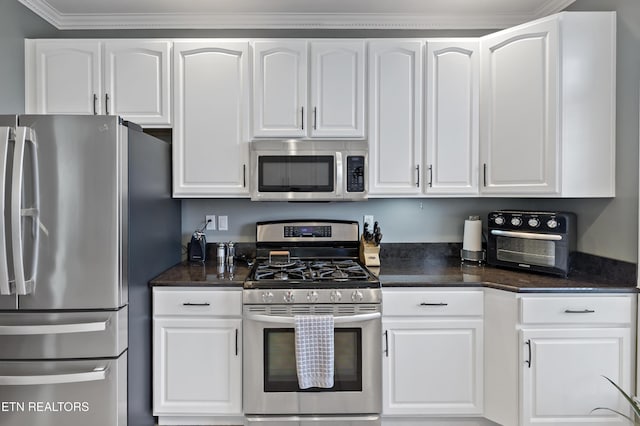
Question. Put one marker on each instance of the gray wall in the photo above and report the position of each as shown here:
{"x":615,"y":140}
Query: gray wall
{"x":607,"y":227}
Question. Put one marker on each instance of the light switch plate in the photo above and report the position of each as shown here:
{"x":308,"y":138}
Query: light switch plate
{"x":223,"y":223}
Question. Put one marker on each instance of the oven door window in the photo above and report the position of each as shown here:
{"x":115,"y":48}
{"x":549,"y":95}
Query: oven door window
{"x":280,"y":361}
{"x":531,"y":252}
{"x":296,"y":173}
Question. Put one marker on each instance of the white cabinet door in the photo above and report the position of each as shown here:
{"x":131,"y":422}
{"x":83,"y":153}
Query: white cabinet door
{"x":337,"y":89}
{"x":395,"y":117}
{"x":562,"y":373}
{"x":279,"y":88}
{"x":197,"y":366}
{"x":432,"y":367}
{"x":518,"y":115}
{"x":137,"y":76}
{"x":210,"y":148}
{"x":67,"y":78}
{"x":452,"y":99}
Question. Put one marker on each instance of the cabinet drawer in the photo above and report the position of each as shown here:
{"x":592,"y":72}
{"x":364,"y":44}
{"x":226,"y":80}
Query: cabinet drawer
{"x":432,"y":303}
{"x":197,"y":302}
{"x":576,"y":309}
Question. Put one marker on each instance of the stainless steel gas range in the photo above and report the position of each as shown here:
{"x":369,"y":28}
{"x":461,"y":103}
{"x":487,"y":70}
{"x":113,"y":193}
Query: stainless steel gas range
{"x":311,"y":268}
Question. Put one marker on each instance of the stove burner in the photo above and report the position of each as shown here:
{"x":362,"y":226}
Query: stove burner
{"x":338,"y":270}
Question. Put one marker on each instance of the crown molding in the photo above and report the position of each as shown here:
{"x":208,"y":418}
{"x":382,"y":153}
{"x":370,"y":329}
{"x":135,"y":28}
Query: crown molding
{"x":409,"y":21}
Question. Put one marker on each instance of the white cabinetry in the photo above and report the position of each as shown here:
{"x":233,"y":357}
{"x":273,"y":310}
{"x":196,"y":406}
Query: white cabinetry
{"x":563,"y":345}
{"x":452,"y":99}
{"x":433,"y":353}
{"x":120,"y":77}
{"x":210,"y":143}
{"x":197,"y":355}
{"x":548,"y":107}
{"x":395,"y":117}
{"x":330,"y":106}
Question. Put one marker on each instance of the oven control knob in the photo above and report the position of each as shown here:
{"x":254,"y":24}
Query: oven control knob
{"x":312,"y":296}
{"x":534,"y":222}
{"x":516,"y":221}
{"x":289,"y":297}
{"x":552,"y":223}
{"x":499,"y":220}
{"x":335,"y":296}
{"x":267,"y":297}
{"x":357,"y":296}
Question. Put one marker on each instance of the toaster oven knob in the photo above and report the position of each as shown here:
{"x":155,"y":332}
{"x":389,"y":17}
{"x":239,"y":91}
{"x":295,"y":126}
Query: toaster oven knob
{"x":534,"y":222}
{"x":516,"y":221}
{"x":289,"y":297}
{"x":335,"y":296}
{"x":552,"y":223}
{"x":267,"y":297}
{"x":499,"y":220}
{"x":312,"y":296}
{"x":357,"y":296}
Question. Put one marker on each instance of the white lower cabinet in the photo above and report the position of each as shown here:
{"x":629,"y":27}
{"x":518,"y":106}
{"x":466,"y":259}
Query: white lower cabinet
{"x":547,"y":355}
{"x":433,"y":352}
{"x":197,"y":356}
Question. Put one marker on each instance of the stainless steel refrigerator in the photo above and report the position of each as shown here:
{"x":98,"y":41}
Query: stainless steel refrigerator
{"x":88,"y":220}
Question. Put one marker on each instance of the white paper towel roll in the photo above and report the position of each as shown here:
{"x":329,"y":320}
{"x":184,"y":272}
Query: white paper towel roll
{"x":472,"y":238}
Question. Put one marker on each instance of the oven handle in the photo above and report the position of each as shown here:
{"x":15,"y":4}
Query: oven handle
{"x":526,"y":235}
{"x":291,"y":320}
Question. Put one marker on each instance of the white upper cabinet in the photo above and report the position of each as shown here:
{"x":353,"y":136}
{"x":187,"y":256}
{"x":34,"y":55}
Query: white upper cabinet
{"x":395,"y":117}
{"x":136,"y":79}
{"x":66,"y":77}
{"x":119,"y":77}
{"x":210,"y":144}
{"x":292,"y":100}
{"x":337,"y":89}
{"x":548,"y":107}
{"x":452,"y":99}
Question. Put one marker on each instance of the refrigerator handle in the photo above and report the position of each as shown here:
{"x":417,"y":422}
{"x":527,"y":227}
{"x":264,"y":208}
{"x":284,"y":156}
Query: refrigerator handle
{"x":24,"y":330}
{"x":99,"y":373}
{"x":5,"y":136}
{"x":23,"y":285}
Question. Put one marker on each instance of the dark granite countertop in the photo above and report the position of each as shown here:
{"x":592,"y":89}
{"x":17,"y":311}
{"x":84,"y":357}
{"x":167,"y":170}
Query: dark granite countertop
{"x":197,"y":275}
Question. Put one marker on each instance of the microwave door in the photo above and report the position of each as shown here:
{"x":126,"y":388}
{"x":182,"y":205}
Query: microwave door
{"x":8,"y":298}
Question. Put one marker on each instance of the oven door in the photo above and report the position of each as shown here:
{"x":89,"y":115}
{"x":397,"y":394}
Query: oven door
{"x":528,"y":250}
{"x":270,"y":378}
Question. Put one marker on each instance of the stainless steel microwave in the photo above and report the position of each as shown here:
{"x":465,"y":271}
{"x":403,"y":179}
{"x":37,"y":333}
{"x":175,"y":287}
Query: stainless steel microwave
{"x":300,"y":170}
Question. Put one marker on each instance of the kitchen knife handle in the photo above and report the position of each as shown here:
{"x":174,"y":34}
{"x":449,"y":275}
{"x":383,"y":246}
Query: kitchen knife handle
{"x":386,"y":343}
{"x":418,"y":176}
{"x":106,"y":103}
{"x":95,"y":100}
{"x":528,"y":361}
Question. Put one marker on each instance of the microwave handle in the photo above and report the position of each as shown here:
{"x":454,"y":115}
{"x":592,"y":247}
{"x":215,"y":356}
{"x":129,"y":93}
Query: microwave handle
{"x":526,"y":235}
{"x":291,"y":320}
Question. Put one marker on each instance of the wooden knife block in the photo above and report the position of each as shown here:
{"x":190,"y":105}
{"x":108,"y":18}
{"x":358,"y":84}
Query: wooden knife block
{"x":369,"y":253}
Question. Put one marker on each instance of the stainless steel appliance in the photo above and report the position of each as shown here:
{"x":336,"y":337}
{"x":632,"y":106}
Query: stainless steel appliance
{"x":311,"y":268}
{"x":309,"y":170}
{"x":532,"y":241}
{"x":88,"y":221}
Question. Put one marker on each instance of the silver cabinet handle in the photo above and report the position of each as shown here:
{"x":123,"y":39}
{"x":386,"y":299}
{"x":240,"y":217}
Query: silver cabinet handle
{"x":244,"y":175}
{"x":90,"y":376}
{"x":106,"y":103}
{"x":430,"y":175}
{"x":418,"y":176}
{"x":386,"y":343}
{"x":196,"y":304}
{"x":24,"y":330}
{"x":236,"y":342}
{"x":583,"y":311}
{"x":315,"y":118}
{"x":23,"y":135}
{"x":302,"y":117}
{"x":484,"y":174}
{"x":95,"y":100}
{"x":528,"y":361}
{"x":5,"y":135}
{"x":433,"y":304}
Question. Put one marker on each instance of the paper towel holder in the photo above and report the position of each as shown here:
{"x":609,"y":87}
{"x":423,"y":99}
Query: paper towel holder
{"x":477,"y":256}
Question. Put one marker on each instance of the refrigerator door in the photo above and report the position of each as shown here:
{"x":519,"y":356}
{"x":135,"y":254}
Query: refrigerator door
{"x":69,"y":212}
{"x":64,"y":393}
{"x":56,"y":335}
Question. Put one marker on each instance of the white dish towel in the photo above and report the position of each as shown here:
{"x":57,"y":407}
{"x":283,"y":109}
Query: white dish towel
{"x":314,"y":350}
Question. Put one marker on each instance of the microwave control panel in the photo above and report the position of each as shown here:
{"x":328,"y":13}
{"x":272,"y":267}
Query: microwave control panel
{"x":530,"y":221}
{"x":355,"y":173}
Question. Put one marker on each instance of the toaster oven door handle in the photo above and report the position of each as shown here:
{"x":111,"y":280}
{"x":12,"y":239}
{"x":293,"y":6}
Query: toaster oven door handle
{"x":336,"y":320}
{"x":526,"y":235}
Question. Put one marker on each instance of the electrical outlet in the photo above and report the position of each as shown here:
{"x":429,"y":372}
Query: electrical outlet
{"x":368,"y":219}
{"x":210,"y":220}
{"x":223,"y":223}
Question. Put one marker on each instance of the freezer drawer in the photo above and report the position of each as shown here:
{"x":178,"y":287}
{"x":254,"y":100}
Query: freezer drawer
{"x":46,"y":335}
{"x":64,"y":393}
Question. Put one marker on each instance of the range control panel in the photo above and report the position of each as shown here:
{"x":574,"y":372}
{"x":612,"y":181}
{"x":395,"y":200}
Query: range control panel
{"x":355,"y":173}
{"x":307,"y":231}
{"x":554,"y":222}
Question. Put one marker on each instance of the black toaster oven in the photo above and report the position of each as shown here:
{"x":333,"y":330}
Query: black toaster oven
{"x":531,"y":241}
